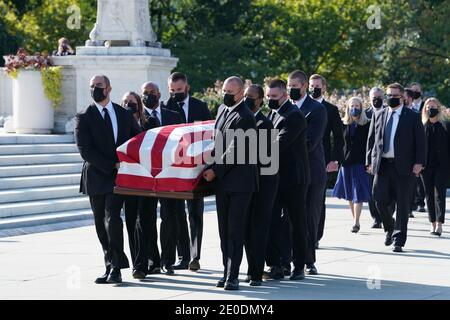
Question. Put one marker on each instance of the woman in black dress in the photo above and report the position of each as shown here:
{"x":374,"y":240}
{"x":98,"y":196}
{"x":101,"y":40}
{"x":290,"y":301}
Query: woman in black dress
{"x":437,"y":171}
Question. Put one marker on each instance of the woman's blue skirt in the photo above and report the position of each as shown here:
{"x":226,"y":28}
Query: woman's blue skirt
{"x":353,"y":184}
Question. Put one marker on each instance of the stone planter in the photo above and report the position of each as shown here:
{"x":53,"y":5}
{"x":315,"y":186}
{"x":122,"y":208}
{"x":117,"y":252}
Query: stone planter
{"x":32,"y":110}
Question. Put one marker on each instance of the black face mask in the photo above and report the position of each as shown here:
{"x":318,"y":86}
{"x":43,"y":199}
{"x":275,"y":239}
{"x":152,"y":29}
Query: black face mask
{"x":417,"y":95}
{"x":97,"y":94}
{"x":295,"y":94}
{"x":133,"y":107}
{"x":433,"y":112}
{"x":316,"y":93}
{"x":150,"y":100}
{"x":393,"y":102}
{"x":251,"y":103}
{"x":377,"y":103}
{"x":274,"y":104}
{"x":228,"y":100}
{"x":179,"y":96}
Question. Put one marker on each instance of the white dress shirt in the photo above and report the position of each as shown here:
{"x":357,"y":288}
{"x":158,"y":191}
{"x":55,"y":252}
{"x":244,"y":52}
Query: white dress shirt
{"x":299,"y":103}
{"x":112,"y":115}
{"x":398,"y":112}
{"x":158,"y":113}
{"x":416,"y":105}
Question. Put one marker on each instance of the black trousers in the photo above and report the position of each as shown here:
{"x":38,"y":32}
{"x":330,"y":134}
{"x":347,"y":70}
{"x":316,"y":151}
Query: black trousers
{"x":232,"y":212}
{"x":290,"y":205}
{"x":435,"y":181}
{"x":376,"y":216}
{"x":314,"y":205}
{"x":109,"y":228}
{"x":419,"y":193}
{"x":189,"y":247}
{"x":258,"y":226}
{"x":146,"y":234}
{"x":390,"y":186}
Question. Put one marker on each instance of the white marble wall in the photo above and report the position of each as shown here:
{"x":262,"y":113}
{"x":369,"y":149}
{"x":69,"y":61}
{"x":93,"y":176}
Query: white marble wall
{"x":5,"y":94}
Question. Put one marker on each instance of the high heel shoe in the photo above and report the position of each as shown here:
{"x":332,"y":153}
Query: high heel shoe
{"x":438,"y":231}
{"x":355,"y":228}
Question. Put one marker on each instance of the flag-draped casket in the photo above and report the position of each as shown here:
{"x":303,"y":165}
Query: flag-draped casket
{"x":166,"y":159}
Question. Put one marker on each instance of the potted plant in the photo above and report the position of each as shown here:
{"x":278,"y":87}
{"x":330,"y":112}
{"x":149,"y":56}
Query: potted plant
{"x":36,"y":91}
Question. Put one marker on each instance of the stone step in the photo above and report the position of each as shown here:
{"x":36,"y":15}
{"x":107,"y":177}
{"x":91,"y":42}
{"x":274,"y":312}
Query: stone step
{"x":45,"y":219}
{"x":39,"y":159}
{"x":43,"y":206}
{"x":28,"y":149}
{"x":35,"y":138}
{"x":39,"y":181}
{"x":29,"y":194}
{"x":42,"y":169}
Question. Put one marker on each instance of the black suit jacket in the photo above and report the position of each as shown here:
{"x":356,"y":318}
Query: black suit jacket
{"x":262,"y":123}
{"x":355,"y":147}
{"x":316,"y":117}
{"x":409,"y":141}
{"x":98,"y":151}
{"x":233,"y":177}
{"x":442,"y":144}
{"x":198,"y":110}
{"x":334,"y":126}
{"x":294,"y":163}
{"x":168,"y":117}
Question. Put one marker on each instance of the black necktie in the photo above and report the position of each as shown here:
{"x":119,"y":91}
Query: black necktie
{"x":224,"y":119}
{"x":108,"y":124}
{"x":155,"y":116}
{"x":183,"y":114}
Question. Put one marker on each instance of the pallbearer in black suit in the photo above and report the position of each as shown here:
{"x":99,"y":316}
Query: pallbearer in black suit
{"x":437,"y":170}
{"x":294,"y":179}
{"x":191,"y":110}
{"x":236,"y":180}
{"x":376,"y":96}
{"x":99,"y":130}
{"x":258,"y":224}
{"x":146,"y":229}
{"x":333,"y":147}
{"x":396,"y":154}
{"x":317,"y":119}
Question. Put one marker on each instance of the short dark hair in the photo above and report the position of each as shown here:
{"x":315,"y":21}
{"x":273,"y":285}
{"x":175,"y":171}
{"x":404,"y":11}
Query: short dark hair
{"x":259,"y":89}
{"x":409,"y":92}
{"x":176,"y":76}
{"x":396,"y":85}
{"x":416,"y":84}
{"x":298,"y":74}
{"x":278,"y":83}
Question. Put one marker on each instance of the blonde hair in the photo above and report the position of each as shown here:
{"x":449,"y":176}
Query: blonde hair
{"x":440,"y":107}
{"x":348,"y":119}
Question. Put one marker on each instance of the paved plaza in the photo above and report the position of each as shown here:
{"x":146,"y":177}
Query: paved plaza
{"x":62,"y":264}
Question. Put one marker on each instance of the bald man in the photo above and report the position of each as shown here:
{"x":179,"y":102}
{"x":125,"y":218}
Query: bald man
{"x":99,"y":130}
{"x":235,"y":182}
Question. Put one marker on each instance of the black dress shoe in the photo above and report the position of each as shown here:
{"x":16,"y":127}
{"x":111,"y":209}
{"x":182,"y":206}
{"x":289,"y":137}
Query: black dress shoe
{"x":232,"y":284}
{"x":376,"y":225}
{"x":168,"y":270}
{"x":181,"y":265}
{"x":221,"y":283}
{"x":411,"y":215}
{"x":311,"y":269}
{"x":297,"y":275}
{"x":274,"y":273}
{"x":397,"y":249}
{"x":139,"y":275}
{"x":154,"y":270}
{"x":255,"y":283}
{"x":388,"y":240}
{"x":287,"y":271}
{"x":194,"y":265}
{"x":248,"y":278}
{"x":115,"y":276}
{"x":102,"y":279}
{"x":422,"y":209}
